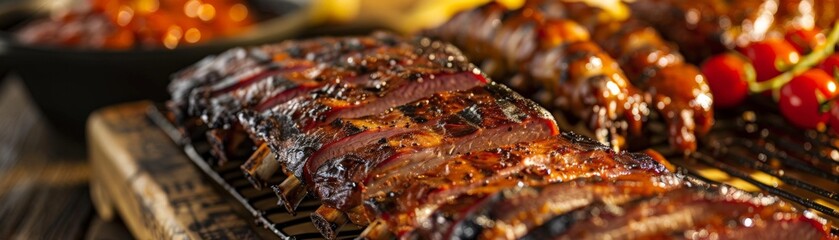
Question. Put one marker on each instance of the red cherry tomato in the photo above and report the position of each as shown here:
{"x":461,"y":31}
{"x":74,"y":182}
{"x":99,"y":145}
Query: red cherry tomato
{"x":728,"y":75}
{"x":831,"y":65}
{"x":801,"y":98}
{"x":805,"y":40}
{"x":770,"y":57}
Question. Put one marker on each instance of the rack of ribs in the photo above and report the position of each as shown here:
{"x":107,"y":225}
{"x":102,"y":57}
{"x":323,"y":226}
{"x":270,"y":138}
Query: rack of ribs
{"x":411,"y":140}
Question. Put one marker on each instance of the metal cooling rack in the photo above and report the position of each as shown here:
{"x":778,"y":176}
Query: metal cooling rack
{"x":755,"y":149}
{"x":752,"y":149}
{"x":261,"y":204}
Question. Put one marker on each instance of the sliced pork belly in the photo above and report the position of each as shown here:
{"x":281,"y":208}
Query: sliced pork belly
{"x":559,"y":159}
{"x":338,"y":179}
{"x":512,"y":212}
{"x":696,"y":212}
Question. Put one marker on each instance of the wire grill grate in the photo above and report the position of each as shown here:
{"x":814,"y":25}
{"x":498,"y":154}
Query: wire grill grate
{"x":755,"y":151}
{"x":262,"y":204}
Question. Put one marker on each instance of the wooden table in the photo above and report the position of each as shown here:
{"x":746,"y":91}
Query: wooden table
{"x":44,"y":191}
{"x":139,"y":173}
{"x":130,"y":180}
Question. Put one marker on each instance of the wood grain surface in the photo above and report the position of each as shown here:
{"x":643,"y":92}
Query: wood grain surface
{"x":44,"y":177}
{"x":140,"y":174}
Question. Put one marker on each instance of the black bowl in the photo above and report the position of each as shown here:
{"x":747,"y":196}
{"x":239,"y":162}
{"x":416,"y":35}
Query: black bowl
{"x":68,"y":84}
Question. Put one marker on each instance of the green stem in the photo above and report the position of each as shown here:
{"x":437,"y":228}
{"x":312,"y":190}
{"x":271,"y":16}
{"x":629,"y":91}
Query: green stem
{"x":818,"y":55}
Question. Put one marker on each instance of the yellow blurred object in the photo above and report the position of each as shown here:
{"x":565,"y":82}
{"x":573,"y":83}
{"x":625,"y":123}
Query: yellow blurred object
{"x":616,"y":9}
{"x":206,"y":12}
{"x":146,"y":6}
{"x":431,"y":13}
{"x":192,"y":35}
{"x":125,"y":15}
{"x":404,"y":16}
{"x":408,"y":17}
{"x":334,"y":10}
{"x":238,"y":12}
{"x":191,"y":8}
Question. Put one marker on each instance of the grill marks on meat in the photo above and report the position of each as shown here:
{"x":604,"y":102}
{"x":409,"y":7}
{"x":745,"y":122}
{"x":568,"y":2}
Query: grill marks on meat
{"x":407,"y":75}
{"x":546,"y":50}
{"x":218,"y":107}
{"x":293,"y":72}
{"x":538,"y":163}
{"x":631,"y":207}
{"x":557,"y":58}
{"x":347,"y":134}
{"x":677,"y":89}
{"x":723,"y":212}
{"x":268,"y":76}
{"x":534,"y":208}
{"x":207,"y":72}
{"x":514,"y":212}
{"x":214,"y":69}
{"x":386,"y":78}
{"x":508,"y":119}
{"x":414,"y":137}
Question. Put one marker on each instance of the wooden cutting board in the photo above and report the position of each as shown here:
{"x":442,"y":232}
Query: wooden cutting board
{"x":140,"y":174}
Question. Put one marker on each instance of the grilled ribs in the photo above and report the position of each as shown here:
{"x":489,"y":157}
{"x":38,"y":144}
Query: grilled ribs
{"x":499,"y":119}
{"x":677,"y":89}
{"x":346,"y":134}
{"x":412,"y":139}
{"x":543,"y":34}
{"x":515,"y":213}
{"x":407,"y":75}
{"x":217,"y":88}
{"x":639,"y":207}
{"x":559,"y":159}
{"x":215,"y":69}
{"x":699,"y":212}
{"x":555,"y":57}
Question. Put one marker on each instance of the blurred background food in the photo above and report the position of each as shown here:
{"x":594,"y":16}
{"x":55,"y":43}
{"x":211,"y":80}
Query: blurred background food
{"x":123,"y":24}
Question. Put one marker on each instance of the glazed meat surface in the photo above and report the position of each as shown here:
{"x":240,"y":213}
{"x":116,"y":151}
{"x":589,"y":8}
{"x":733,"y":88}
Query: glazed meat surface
{"x":725,"y":212}
{"x":411,"y":138}
{"x":539,"y":163}
{"x":410,"y":74}
{"x":547,"y":46}
{"x":556,"y":59}
{"x":339,"y":179}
